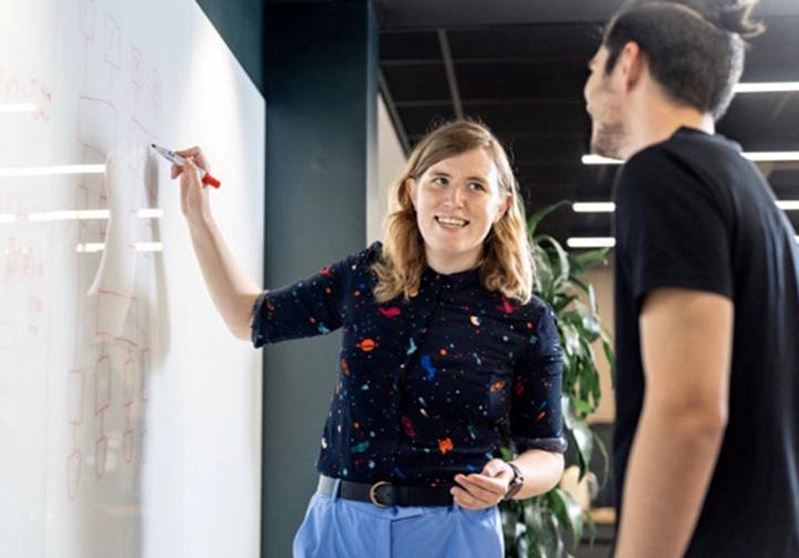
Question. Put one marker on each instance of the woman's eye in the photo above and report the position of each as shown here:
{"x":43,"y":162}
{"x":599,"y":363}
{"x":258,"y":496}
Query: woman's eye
{"x":440,"y":180}
{"x":478,"y":186}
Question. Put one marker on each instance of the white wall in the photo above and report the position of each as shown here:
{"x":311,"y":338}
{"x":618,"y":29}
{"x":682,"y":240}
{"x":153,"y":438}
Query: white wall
{"x":602,"y":279}
{"x":390,"y":162}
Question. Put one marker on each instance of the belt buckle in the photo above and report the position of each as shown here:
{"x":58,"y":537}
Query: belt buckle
{"x":373,"y":493}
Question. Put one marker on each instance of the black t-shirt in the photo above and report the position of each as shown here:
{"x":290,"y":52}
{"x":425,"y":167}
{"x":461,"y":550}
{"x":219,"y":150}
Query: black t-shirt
{"x":693,"y":213}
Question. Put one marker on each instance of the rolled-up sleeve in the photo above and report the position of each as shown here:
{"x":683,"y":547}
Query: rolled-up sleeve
{"x":312,"y":306}
{"x":536,"y":421}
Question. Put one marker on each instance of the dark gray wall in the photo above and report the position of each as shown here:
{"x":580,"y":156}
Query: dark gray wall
{"x":321,"y":93}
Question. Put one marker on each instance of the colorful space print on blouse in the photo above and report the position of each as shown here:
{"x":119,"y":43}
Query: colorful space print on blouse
{"x":425,"y":386}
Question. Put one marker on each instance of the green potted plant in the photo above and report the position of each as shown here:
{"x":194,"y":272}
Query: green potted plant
{"x":539,"y":527}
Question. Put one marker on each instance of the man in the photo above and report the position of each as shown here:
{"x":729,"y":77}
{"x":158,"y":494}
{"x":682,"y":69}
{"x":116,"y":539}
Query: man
{"x":707,"y":295}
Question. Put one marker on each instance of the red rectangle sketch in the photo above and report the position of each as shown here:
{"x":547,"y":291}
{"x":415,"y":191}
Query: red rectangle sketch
{"x":75,"y":381}
{"x":102,"y":385}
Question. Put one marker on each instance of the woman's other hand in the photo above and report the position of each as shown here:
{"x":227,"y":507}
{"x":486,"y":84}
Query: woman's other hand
{"x":484,"y":489}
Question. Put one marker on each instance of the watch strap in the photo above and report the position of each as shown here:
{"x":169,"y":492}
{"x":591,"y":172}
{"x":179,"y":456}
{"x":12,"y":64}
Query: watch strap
{"x":516,"y":483}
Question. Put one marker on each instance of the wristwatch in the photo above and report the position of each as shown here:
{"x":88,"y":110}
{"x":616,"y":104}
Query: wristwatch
{"x":516,"y":482}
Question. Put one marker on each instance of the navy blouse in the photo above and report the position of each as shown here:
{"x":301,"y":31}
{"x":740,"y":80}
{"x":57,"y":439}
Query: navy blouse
{"x":424,"y":386}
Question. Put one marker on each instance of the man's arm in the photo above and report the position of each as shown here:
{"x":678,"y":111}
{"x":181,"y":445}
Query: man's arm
{"x":686,"y":340}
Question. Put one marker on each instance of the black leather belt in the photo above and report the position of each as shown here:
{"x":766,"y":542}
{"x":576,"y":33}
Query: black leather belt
{"x":384,"y":494}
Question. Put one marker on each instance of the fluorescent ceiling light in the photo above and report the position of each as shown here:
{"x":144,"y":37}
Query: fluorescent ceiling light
{"x":757,"y":156}
{"x":152,"y":213}
{"x":90,"y":247}
{"x":766,"y":87}
{"x":609,"y":207}
{"x":8,"y":218}
{"x":90,"y":214}
{"x":53,"y":169}
{"x":79,"y":215}
{"x":772,"y":155}
{"x":149,"y":247}
{"x":17,"y":107}
{"x":600,"y":160}
{"x":591,"y":242}
{"x":593,"y":207}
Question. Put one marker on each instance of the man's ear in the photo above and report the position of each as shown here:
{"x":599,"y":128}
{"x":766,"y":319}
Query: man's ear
{"x":633,"y":62}
{"x":410,"y":190}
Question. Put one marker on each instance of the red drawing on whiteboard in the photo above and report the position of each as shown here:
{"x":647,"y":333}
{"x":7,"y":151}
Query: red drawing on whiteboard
{"x":102,"y":385}
{"x":75,"y":382}
{"x":74,"y":462}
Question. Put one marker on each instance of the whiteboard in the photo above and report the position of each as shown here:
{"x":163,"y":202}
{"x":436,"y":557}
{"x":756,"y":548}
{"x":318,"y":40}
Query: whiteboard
{"x":129,"y":416}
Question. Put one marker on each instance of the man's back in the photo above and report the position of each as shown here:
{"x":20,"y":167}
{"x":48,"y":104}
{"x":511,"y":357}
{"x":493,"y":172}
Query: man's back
{"x":693,"y":213}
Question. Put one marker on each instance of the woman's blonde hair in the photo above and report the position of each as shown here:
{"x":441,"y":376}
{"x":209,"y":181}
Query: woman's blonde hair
{"x":506,"y":265}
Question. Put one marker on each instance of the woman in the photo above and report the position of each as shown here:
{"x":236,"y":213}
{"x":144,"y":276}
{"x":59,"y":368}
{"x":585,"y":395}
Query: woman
{"x":444,"y":347}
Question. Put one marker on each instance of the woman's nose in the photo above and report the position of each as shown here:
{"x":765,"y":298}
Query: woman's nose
{"x":455,"y":195}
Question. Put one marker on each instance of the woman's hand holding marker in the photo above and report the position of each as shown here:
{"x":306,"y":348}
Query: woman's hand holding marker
{"x":193,"y":193}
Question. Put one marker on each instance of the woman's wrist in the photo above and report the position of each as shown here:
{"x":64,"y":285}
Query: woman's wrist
{"x":516,"y":482}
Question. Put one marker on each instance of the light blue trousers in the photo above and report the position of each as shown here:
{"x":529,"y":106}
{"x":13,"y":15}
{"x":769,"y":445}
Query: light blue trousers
{"x":337,"y":528}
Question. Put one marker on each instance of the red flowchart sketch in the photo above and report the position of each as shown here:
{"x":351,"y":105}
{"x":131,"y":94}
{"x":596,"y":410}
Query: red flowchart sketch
{"x":102,"y":385}
{"x":74,"y":466}
{"x":119,"y":107}
{"x":76,"y":379}
{"x":86,"y":15}
{"x":144,"y":367}
{"x":128,"y":439}
{"x":100,"y":454}
{"x":129,"y":373}
{"x":112,"y":42}
{"x":19,"y":262}
{"x":14,"y":88}
{"x":111,"y":309}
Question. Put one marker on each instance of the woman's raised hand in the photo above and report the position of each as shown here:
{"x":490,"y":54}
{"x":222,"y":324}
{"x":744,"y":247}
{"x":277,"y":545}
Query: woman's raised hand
{"x":193,"y":194}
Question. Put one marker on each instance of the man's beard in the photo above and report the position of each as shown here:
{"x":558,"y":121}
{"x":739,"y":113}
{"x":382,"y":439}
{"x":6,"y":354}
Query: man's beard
{"x":608,"y":137}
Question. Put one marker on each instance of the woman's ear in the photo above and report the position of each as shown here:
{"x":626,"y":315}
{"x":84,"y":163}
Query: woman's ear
{"x":410,"y":190}
{"x":503,"y":207}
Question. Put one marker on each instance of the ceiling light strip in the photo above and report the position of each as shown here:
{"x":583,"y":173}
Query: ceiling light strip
{"x":610,"y":207}
{"x":90,"y":214}
{"x":593,"y":207}
{"x":52,"y":170}
{"x":591,"y":242}
{"x":76,"y":215}
{"x":91,"y":247}
{"x":757,"y":156}
{"x":766,"y":87}
{"x":17,"y":107}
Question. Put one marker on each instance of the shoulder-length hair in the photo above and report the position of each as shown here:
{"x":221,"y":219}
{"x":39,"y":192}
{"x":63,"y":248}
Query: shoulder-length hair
{"x":506,"y":264}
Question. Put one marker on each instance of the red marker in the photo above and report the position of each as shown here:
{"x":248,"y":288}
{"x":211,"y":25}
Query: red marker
{"x":176,"y":159}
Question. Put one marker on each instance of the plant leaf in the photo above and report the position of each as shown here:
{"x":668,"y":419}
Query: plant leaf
{"x":569,"y":512}
{"x":583,"y":261}
{"x":605,"y":460}
{"x":538,"y":216}
{"x":584,"y":439}
{"x":562,"y":274}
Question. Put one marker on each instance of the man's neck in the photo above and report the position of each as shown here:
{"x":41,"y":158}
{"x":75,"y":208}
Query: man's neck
{"x":658,"y":124}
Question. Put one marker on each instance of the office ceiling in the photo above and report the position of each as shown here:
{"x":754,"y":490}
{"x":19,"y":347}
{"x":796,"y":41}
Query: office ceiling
{"x":519,"y":66}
